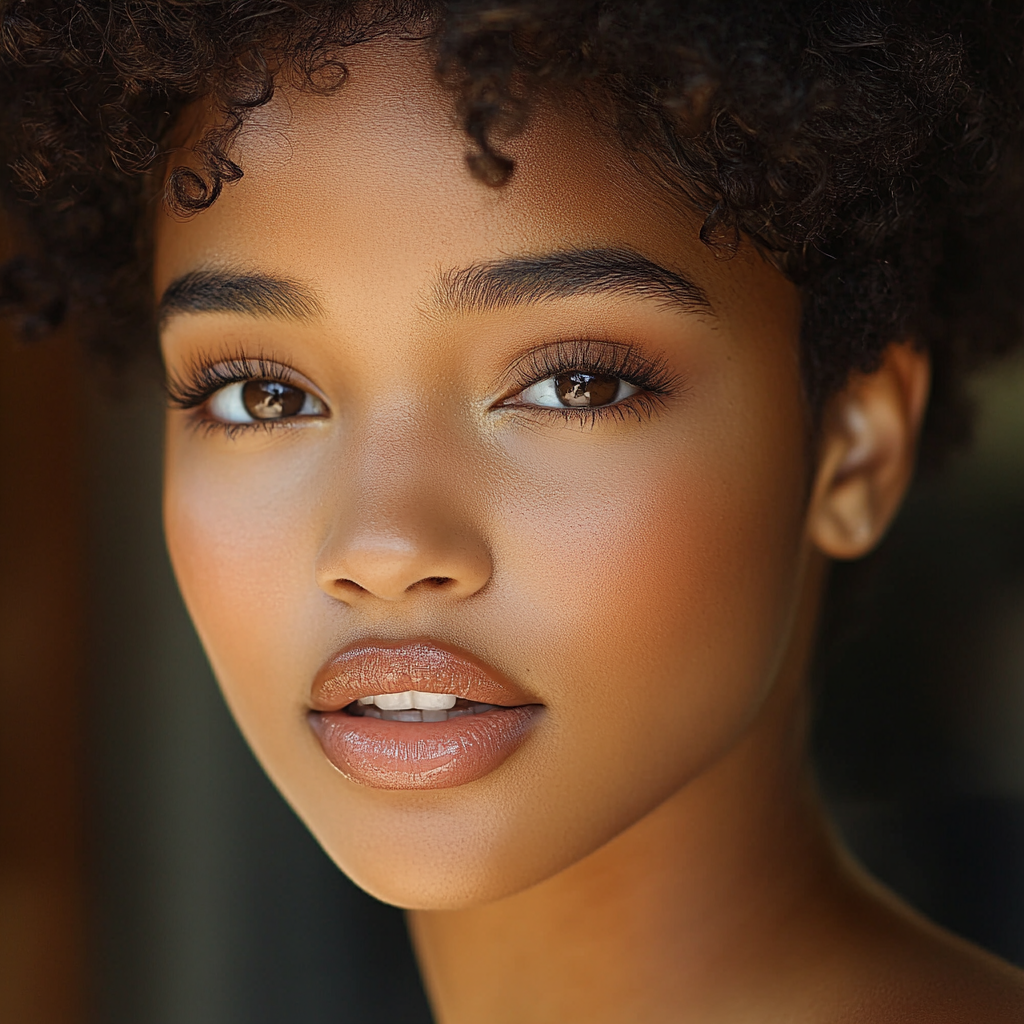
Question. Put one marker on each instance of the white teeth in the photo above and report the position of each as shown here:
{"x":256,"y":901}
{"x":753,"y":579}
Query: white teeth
{"x":394,"y":701}
{"x":408,"y":700}
{"x":427,"y":715}
{"x":433,"y":701}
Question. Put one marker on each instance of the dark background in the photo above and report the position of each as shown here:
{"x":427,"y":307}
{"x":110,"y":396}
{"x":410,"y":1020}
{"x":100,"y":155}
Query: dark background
{"x":186,"y":892}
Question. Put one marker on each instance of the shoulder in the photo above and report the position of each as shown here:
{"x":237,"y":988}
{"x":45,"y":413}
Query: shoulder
{"x":910,"y":971}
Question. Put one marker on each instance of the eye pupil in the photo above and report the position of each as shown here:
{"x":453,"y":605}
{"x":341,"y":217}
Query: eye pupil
{"x":271,"y":400}
{"x":578,"y":389}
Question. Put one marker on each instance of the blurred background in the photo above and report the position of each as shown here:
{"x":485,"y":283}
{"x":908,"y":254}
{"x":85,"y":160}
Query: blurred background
{"x":149,"y":874}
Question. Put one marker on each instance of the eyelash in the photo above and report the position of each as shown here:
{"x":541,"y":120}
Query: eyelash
{"x":204,"y":378}
{"x":652,"y":376}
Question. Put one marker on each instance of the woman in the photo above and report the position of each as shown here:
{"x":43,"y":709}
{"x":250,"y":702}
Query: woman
{"x":528,"y":365}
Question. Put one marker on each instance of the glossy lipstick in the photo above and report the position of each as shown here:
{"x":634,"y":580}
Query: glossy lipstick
{"x":416,"y":755}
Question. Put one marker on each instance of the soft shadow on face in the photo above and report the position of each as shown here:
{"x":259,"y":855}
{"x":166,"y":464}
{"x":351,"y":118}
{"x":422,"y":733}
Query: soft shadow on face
{"x":635,"y":569}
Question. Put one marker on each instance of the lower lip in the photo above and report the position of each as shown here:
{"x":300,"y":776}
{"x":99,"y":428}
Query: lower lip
{"x":421,"y":755}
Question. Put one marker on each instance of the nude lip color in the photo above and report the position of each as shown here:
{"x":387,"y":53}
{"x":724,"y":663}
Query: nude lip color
{"x":387,"y":754}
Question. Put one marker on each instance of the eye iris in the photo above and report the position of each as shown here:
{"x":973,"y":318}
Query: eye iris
{"x":271,"y":400}
{"x":578,"y":389}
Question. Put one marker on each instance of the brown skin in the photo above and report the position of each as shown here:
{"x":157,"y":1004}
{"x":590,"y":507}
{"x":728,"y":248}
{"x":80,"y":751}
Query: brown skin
{"x":653,"y":851}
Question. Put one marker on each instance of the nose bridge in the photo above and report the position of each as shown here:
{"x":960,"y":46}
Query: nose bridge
{"x":401,"y":519}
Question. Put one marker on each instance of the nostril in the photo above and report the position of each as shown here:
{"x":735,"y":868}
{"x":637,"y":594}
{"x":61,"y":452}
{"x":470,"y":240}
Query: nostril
{"x":347,"y":588}
{"x":350,"y":586}
{"x":436,"y":581}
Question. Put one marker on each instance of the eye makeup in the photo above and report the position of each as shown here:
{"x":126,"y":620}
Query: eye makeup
{"x":241,"y":393}
{"x":581,"y":379}
{"x":584,"y":379}
{"x":202,"y":378}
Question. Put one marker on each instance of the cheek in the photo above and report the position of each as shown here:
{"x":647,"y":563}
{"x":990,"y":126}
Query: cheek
{"x":240,"y":530}
{"x":656,"y":600}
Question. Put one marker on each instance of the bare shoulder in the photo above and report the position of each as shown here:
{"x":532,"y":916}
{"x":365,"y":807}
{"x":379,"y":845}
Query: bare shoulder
{"x":913,"y":972}
{"x":957,"y":983}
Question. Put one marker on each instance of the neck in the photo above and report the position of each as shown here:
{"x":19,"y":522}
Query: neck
{"x":690,"y":914}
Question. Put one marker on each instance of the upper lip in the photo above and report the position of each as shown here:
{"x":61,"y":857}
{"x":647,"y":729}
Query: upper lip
{"x":370,"y":667}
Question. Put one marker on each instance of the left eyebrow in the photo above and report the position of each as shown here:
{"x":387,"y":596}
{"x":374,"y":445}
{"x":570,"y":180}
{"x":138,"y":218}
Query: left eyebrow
{"x":252,"y":294}
{"x":523,"y":280}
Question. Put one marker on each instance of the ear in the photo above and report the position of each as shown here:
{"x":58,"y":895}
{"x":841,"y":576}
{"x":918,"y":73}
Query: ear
{"x":866,"y":453}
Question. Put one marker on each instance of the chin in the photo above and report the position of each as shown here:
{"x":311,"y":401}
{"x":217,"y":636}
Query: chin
{"x":474,"y":844}
{"x":450,"y":851}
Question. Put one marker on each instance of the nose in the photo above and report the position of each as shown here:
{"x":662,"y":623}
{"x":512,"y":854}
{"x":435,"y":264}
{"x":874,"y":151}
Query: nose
{"x":402,"y":527}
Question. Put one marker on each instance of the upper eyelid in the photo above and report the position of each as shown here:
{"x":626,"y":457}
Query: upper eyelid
{"x":581,"y":348}
{"x":616,"y":358}
{"x":243,"y":367}
{"x":203,"y":376}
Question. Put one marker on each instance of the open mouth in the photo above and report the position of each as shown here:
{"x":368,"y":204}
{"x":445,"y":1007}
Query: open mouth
{"x":416,"y":714}
{"x":416,"y":706}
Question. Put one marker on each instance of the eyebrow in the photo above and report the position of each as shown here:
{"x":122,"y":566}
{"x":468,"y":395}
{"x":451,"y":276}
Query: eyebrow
{"x":223,"y":291}
{"x":482,"y":287}
{"x":501,"y":284}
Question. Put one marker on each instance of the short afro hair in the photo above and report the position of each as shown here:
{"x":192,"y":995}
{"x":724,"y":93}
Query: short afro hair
{"x":870,"y":150}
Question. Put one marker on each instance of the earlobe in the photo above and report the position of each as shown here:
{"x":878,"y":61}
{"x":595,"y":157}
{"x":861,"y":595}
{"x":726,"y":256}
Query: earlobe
{"x":866,"y":453}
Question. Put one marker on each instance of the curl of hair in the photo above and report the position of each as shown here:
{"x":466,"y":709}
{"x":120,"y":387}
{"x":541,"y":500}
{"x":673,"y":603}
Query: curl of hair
{"x":871,"y":151}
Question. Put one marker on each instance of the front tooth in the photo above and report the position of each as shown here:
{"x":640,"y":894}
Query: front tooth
{"x":365,"y":700}
{"x":394,"y":701}
{"x":432,"y":701}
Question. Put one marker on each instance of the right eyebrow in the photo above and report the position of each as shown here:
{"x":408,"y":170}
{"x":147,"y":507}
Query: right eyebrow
{"x":252,"y":294}
{"x":525,"y":280}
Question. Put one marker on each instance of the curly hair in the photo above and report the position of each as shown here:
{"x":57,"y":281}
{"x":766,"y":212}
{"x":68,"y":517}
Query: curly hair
{"x":869,"y":150}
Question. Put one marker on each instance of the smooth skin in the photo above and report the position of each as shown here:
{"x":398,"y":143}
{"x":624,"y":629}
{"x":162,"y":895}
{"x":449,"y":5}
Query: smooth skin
{"x":651,"y":574}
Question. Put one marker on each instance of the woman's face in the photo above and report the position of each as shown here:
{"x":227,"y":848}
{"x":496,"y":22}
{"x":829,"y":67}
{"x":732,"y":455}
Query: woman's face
{"x":531,"y":446}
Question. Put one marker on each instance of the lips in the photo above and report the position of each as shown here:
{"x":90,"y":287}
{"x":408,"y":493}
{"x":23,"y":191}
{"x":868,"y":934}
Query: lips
{"x":491,"y":719}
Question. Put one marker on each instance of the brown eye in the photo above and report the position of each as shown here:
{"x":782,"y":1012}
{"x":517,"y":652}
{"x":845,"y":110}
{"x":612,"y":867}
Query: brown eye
{"x":263,"y":401}
{"x":576,"y":389}
{"x":586,"y":390}
{"x":272,"y":400}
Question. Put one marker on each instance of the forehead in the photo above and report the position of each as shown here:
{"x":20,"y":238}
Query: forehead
{"x":367,"y":189}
